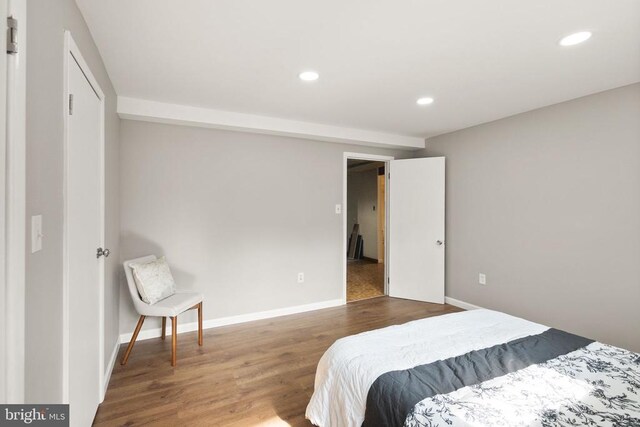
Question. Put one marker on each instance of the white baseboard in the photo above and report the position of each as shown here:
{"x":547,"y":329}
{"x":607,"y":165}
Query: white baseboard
{"x":109,"y":370}
{"x":461,"y":304}
{"x":232,"y":320}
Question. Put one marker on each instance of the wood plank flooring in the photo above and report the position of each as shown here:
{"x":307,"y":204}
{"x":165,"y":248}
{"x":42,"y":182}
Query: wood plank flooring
{"x":253,"y":374}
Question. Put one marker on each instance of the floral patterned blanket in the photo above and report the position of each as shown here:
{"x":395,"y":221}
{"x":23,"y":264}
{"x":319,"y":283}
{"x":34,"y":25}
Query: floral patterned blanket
{"x":597,"y":385}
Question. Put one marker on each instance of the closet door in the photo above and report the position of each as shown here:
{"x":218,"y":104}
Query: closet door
{"x":83,"y":238}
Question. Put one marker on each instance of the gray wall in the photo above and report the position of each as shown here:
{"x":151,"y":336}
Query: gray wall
{"x":547,"y":204}
{"x":238,"y":215}
{"x":47,"y":22}
{"x":362,"y":190}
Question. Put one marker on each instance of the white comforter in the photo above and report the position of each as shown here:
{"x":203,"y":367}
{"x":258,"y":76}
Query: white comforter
{"x":351,"y":365}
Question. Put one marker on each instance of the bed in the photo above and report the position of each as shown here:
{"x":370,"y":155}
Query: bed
{"x":474,"y":368}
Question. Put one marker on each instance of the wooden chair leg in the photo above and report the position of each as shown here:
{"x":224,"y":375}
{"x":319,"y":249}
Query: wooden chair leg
{"x":133,"y":340}
{"x":200,"y":324}
{"x":164,"y":327}
{"x":174,"y":339}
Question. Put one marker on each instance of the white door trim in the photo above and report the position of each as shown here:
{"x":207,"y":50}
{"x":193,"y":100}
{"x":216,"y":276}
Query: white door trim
{"x":4,"y":86}
{"x":15,"y":211}
{"x":375,"y":158}
{"x":70,"y":47}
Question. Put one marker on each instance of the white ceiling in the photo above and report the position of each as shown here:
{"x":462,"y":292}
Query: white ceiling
{"x":480,"y":60}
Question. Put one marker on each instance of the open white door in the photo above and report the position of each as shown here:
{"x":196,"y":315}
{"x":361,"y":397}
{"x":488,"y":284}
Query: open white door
{"x":416,"y":229}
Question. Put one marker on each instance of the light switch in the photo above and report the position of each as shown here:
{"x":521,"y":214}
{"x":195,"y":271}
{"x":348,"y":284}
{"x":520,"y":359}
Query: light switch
{"x":482,"y":278}
{"x":338,"y":209}
{"x":36,"y":233}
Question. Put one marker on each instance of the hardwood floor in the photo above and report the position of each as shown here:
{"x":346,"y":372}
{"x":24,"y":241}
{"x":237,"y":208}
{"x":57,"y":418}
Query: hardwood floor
{"x":365,"y":279}
{"x":253,"y":374}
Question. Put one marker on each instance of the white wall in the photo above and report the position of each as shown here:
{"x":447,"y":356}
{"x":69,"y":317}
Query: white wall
{"x":45,"y":37}
{"x":547,"y":204}
{"x":363,"y":193}
{"x":238,"y":215}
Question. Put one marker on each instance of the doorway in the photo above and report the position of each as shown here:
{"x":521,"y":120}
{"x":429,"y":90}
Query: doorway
{"x":412,"y":244}
{"x":365,"y":227}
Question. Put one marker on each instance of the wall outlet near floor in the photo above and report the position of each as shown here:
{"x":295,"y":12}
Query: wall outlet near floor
{"x":482,"y":279}
{"x":300,"y":277}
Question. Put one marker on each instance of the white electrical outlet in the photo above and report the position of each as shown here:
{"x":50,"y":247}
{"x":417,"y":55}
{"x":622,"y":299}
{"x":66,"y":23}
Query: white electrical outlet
{"x":338,"y":209}
{"x":482,"y":279}
{"x":300,"y":277}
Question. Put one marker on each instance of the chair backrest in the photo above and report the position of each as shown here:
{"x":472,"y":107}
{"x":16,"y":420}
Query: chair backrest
{"x":133,"y":290}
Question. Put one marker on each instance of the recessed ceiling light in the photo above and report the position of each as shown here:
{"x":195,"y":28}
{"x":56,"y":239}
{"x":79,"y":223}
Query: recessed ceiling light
{"x":575,"y":38}
{"x":425,"y":100}
{"x":308,"y":76}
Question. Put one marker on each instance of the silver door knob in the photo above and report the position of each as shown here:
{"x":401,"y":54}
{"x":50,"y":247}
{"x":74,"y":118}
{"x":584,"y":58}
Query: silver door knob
{"x":439,"y":242}
{"x":102,"y":252}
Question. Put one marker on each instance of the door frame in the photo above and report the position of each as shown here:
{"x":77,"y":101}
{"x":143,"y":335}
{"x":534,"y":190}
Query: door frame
{"x":71,"y":48}
{"x":376,"y":158}
{"x":12,"y":221}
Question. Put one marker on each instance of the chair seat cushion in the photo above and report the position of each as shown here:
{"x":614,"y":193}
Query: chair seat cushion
{"x":153,"y":280}
{"x":173,"y":305}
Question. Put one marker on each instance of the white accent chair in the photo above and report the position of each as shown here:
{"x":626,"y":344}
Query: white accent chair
{"x":169,"y":307}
